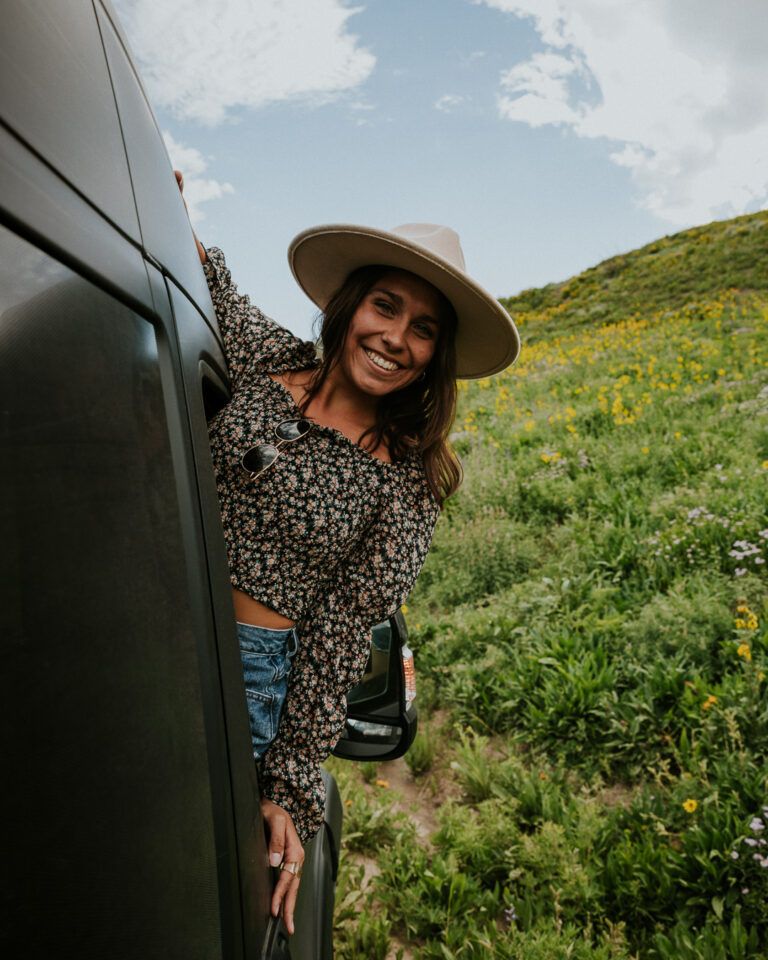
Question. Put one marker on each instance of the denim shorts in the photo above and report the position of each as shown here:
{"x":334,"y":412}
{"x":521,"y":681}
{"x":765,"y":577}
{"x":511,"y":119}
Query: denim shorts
{"x":266,"y":655}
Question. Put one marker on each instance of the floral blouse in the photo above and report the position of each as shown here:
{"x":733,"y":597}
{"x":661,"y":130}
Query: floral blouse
{"x":328,"y":535}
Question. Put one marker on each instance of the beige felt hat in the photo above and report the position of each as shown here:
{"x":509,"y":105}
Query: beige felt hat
{"x":321,"y":259}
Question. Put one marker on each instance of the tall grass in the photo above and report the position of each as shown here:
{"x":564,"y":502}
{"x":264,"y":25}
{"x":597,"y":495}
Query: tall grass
{"x":594,"y":615}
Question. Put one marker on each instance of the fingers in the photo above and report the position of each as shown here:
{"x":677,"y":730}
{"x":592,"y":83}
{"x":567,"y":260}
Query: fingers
{"x":276,"y":823}
{"x":179,"y":179}
{"x":289,"y":902}
{"x":284,"y":847}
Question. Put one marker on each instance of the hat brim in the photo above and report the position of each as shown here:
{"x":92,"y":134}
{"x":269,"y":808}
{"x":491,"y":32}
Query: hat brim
{"x":321,"y":258}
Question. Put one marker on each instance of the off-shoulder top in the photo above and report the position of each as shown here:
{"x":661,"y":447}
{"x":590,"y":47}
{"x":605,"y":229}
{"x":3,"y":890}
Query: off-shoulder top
{"x":329,"y":536}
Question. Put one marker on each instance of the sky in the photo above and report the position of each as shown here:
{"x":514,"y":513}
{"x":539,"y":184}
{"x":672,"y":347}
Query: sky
{"x":550,"y":134}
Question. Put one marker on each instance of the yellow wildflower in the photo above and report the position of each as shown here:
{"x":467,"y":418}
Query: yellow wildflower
{"x":382,"y":783}
{"x":744,"y":651}
{"x":690,"y":805}
{"x":740,"y":624}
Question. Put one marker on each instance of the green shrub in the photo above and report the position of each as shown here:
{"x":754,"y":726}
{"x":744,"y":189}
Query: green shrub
{"x":421,"y":753}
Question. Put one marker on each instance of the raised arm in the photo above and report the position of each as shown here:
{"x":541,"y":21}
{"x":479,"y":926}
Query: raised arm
{"x":247,"y":333}
{"x":200,"y":248}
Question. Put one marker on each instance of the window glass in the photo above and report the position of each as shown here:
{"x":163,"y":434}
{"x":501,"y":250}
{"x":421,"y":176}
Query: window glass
{"x":165,"y":227}
{"x":55,"y":93}
{"x":375,"y":679}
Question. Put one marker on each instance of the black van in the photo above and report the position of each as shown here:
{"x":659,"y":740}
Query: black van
{"x":131,"y":824}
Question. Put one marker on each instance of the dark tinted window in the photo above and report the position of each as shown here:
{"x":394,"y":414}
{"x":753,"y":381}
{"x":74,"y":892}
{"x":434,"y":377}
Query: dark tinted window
{"x":56,"y":94}
{"x":164,"y":226}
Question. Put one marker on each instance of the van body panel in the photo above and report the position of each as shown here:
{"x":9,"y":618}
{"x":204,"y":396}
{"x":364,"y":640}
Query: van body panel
{"x":107,"y":753}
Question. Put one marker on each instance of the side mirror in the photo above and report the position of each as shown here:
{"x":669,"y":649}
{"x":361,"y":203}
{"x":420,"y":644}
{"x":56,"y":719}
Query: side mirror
{"x":381,"y":719}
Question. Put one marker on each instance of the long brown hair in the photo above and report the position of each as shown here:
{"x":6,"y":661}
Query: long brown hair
{"x":416,"y":418}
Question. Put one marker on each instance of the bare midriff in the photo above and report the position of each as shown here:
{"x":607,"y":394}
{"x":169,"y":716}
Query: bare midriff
{"x":248,"y":610}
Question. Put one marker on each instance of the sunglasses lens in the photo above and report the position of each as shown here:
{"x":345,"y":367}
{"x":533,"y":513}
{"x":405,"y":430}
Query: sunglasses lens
{"x":259,"y":458}
{"x":293,"y":429}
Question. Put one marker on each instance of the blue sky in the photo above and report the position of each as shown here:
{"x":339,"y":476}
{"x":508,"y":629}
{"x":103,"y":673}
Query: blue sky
{"x":550,"y":134}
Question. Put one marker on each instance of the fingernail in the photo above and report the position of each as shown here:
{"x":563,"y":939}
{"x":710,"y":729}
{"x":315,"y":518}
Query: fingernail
{"x":274,"y":859}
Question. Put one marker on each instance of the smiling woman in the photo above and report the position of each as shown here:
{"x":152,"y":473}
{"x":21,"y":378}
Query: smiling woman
{"x":330,"y":473}
{"x":389,"y":333}
{"x":395,"y":328}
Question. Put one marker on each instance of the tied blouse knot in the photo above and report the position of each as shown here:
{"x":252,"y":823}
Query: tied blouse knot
{"x":328,"y":536}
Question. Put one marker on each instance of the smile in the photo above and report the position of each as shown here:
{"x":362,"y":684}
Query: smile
{"x":380,"y":361}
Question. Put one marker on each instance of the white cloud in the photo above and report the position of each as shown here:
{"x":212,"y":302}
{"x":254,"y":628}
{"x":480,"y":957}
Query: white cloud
{"x":204,"y":58}
{"x":544,"y":87}
{"x":197,"y":188}
{"x":466,"y":60}
{"x":450,"y":101}
{"x":680,"y":85}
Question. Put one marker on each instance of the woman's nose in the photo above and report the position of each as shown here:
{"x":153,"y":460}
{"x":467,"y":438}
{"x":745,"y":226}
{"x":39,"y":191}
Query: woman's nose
{"x":394,"y":336}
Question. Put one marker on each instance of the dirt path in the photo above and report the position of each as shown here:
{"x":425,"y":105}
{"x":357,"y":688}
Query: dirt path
{"x":419,"y":798}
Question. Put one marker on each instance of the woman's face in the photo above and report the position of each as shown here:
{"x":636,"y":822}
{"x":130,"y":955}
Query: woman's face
{"x":393,"y":334}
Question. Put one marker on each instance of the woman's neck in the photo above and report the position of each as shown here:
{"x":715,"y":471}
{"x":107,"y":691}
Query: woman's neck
{"x":338,"y":400}
{"x":336,"y":405}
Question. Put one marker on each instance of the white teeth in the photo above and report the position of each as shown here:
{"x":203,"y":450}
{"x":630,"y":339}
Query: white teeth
{"x":381,"y":362}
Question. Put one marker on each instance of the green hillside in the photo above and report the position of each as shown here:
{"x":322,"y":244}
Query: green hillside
{"x":591,"y":634}
{"x":664,"y":275}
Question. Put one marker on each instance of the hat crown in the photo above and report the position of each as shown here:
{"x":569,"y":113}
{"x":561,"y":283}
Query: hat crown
{"x":439,"y":240}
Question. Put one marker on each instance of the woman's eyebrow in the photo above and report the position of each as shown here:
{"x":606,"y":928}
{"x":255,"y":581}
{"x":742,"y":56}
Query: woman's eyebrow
{"x":393,"y":296}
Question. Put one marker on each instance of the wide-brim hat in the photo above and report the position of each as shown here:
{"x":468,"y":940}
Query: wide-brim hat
{"x":321,"y":258}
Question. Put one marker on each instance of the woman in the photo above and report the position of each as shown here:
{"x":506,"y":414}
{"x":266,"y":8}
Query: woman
{"x":330,"y":474}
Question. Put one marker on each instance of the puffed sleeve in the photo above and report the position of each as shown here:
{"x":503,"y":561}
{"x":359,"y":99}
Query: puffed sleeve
{"x":247,"y":333}
{"x":334,"y":643}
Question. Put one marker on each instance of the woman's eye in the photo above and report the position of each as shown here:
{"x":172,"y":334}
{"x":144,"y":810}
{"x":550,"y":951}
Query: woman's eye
{"x":384,"y":305}
{"x":424,"y":330}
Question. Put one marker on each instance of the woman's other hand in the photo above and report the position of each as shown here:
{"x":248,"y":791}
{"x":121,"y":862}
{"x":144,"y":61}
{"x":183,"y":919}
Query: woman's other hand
{"x":200,"y":248}
{"x":284,"y":849}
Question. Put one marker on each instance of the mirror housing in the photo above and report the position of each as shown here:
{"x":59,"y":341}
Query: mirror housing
{"x":381,"y":723}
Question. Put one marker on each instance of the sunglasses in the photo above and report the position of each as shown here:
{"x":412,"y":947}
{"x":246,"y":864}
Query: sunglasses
{"x":256,"y":460}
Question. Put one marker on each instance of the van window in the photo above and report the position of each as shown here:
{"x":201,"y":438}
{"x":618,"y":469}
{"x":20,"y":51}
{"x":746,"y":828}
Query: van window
{"x":37,"y":95}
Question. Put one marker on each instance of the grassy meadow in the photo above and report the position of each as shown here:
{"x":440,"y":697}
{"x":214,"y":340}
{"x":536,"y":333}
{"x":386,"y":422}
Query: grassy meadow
{"x":591,"y":638}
